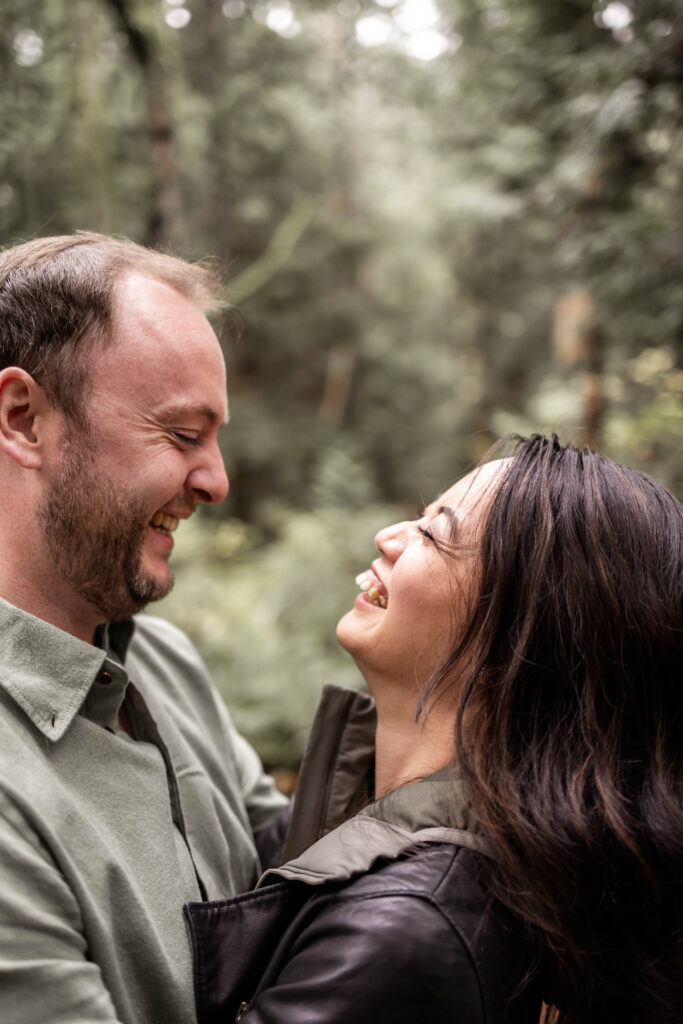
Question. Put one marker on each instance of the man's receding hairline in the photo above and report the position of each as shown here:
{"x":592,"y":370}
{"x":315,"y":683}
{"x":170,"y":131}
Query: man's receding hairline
{"x":60,"y":294}
{"x":195,"y":290}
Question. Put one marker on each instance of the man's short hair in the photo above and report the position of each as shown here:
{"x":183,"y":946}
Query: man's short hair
{"x":56,"y":303}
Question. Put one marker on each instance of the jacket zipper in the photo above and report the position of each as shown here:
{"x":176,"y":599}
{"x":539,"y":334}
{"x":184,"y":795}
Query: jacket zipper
{"x":242,"y":1009}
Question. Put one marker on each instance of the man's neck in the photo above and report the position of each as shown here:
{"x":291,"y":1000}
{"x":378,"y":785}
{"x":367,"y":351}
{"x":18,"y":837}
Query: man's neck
{"x":65,"y":611}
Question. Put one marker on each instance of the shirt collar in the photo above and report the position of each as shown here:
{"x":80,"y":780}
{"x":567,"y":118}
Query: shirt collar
{"x":50,"y":673}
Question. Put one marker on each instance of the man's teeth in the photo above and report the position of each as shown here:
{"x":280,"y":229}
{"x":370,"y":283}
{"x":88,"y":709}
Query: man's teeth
{"x":368,"y":582}
{"x":163,"y":521}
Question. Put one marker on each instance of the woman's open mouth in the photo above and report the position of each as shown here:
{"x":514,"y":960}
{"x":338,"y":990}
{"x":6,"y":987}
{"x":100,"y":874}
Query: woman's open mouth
{"x":373,"y":587}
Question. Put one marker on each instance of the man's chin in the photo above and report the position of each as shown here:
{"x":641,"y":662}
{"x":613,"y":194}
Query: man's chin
{"x":138,"y":592}
{"x":147,"y":587}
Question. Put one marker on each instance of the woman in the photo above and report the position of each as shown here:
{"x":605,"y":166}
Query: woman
{"x":515,"y":832}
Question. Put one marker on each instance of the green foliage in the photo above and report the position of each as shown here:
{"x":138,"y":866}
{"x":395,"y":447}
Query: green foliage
{"x":426,"y":253}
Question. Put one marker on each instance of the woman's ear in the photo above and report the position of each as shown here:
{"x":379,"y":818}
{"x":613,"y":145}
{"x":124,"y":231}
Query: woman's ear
{"x":24,"y":411}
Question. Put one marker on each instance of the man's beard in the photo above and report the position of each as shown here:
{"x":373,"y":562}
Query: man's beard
{"x":95,"y":533}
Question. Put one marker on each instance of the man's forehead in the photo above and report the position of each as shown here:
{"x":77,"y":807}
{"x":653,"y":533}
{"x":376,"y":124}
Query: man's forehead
{"x":146,"y":307}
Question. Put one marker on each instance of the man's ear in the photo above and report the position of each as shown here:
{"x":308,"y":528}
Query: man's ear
{"x":24,"y":409}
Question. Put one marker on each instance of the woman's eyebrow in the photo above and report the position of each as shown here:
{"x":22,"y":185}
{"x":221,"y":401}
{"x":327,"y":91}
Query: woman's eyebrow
{"x":445,"y":510}
{"x":453,"y":520}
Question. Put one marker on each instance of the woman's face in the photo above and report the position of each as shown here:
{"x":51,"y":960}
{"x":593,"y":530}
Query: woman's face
{"x":416,"y":595}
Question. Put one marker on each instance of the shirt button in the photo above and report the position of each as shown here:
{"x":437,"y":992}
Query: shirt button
{"x":105,"y":677}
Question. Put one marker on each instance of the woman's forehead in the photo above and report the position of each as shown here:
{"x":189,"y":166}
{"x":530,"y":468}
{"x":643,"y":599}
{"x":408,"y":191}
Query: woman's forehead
{"x":469,"y":491}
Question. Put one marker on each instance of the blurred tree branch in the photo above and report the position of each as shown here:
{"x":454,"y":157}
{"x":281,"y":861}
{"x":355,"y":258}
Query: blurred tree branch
{"x":164,"y":204}
{"x":276,"y":254}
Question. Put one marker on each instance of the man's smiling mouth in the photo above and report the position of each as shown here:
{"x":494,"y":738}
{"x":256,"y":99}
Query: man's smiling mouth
{"x":164,"y":523}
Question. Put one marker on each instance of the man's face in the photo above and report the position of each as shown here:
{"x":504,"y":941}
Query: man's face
{"x":95,"y":532}
{"x":150,"y":457}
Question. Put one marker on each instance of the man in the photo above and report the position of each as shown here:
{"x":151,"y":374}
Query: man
{"x":124,"y":789}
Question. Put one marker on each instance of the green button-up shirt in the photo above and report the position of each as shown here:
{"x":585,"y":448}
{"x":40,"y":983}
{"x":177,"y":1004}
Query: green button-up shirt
{"x":103,"y":838}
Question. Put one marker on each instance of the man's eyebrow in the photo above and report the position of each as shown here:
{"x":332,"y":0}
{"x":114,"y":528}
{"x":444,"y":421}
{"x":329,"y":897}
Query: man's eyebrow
{"x":206,"y":412}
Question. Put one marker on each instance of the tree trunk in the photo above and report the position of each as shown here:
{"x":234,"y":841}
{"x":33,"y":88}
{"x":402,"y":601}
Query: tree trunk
{"x":164,"y":205}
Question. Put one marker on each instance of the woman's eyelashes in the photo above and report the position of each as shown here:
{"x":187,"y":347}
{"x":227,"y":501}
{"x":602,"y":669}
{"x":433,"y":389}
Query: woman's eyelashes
{"x":423,"y":529}
{"x":426,"y":532}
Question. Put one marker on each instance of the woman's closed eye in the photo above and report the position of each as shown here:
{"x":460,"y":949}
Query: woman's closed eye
{"x":426,"y":532}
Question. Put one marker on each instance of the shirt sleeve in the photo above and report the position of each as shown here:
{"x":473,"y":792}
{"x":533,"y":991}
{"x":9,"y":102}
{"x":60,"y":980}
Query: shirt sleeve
{"x":388,"y":960}
{"x":44,"y":971}
{"x":262,"y":799}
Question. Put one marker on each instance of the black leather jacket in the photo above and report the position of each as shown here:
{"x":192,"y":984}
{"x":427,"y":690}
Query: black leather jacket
{"x":384,"y":920}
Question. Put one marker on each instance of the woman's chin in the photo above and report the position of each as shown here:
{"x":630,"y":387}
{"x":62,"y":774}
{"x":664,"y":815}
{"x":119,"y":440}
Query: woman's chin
{"x":346,"y":632}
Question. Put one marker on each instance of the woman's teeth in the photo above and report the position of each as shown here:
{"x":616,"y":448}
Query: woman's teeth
{"x":374,"y":589}
{"x":164,"y":522}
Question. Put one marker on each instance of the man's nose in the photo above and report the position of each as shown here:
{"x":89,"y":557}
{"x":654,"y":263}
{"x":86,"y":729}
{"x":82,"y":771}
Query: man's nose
{"x":209,"y":481}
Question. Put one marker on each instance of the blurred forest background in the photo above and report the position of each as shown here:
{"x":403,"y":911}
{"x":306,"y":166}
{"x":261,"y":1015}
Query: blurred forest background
{"x":440,"y":220}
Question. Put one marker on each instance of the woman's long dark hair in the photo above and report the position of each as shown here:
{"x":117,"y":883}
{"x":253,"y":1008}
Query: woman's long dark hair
{"x":570,"y":725}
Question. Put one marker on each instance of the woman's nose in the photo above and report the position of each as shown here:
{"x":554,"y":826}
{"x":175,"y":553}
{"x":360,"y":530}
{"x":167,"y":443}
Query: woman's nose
{"x":391,"y":540}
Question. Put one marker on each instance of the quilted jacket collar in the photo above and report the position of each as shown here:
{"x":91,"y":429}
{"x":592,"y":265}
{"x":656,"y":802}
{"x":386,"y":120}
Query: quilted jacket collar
{"x":326,"y":840}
